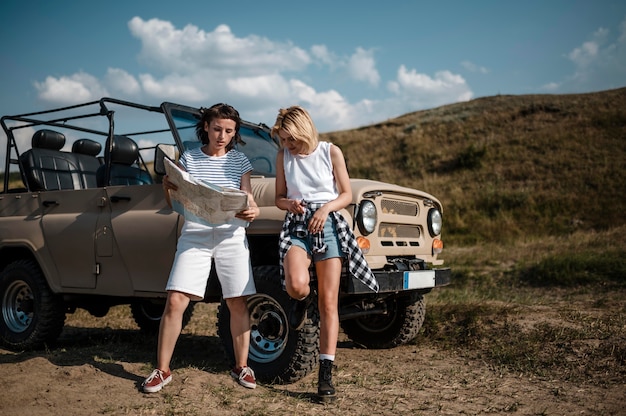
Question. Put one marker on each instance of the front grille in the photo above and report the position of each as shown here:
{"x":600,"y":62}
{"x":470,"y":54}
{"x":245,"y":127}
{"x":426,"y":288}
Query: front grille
{"x":386,"y":230}
{"x":391,"y":206}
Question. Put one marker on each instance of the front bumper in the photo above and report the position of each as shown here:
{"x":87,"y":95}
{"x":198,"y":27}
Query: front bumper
{"x":400,"y":281}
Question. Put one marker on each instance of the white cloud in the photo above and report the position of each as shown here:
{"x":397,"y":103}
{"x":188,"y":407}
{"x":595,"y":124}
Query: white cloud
{"x":585,"y":54}
{"x":259,"y":86}
{"x":472,"y":67}
{"x":551,"y":86}
{"x":362,"y":67}
{"x":192,"y":49}
{"x":71,"y":89}
{"x":256,"y":74}
{"x":421,"y":89}
{"x":329,"y":109}
{"x":323,"y":55}
{"x":598,"y":62}
{"x":120,"y":81}
{"x":175,"y":87}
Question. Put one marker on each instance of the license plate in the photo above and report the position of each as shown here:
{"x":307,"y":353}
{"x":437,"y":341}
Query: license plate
{"x":419,"y":279}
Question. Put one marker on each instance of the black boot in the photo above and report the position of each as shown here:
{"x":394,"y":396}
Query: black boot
{"x":297,"y":314}
{"x":325,"y":388}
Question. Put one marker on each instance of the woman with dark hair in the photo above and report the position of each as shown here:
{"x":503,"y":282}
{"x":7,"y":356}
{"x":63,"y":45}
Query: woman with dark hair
{"x":200,"y":242}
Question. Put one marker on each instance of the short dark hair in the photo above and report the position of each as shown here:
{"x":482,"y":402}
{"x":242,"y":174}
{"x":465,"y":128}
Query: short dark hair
{"x":223,"y":111}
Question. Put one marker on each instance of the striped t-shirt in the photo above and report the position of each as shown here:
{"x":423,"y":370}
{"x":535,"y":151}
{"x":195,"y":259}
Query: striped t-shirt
{"x":225,"y":171}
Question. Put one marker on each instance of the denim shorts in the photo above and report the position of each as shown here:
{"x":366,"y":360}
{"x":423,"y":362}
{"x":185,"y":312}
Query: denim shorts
{"x":330,"y":238}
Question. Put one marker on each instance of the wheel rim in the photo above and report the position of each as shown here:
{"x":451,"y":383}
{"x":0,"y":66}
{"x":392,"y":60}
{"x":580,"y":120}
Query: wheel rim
{"x":18,"y":306}
{"x":151,"y":311}
{"x":269,"y":329}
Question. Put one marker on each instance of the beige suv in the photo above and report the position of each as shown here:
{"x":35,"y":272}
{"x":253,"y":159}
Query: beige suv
{"x":83,"y":224}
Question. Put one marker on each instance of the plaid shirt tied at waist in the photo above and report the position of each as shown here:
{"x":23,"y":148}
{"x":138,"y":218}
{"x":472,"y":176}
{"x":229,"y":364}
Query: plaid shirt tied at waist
{"x":296,"y":224}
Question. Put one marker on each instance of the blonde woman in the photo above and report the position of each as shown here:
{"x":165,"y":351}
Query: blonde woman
{"x":313,"y":185}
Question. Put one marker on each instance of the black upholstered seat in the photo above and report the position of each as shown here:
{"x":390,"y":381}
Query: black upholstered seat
{"x":46,"y":167}
{"x":86,"y":152}
{"x":124,"y":171}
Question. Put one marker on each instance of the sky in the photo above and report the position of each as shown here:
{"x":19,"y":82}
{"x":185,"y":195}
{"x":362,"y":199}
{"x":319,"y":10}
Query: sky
{"x":350,"y":63}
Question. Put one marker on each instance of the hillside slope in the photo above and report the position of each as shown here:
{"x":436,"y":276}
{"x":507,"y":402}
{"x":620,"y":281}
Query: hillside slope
{"x":505,"y":166}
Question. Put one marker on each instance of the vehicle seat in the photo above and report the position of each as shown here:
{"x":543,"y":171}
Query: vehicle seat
{"x":86,"y":152}
{"x":124,"y":168}
{"x":46,"y":167}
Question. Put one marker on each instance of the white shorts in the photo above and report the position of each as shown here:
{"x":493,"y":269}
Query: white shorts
{"x":197,"y":245}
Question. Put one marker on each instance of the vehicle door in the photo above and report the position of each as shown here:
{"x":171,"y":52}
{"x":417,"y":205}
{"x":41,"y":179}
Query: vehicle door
{"x":138,"y":241}
{"x":68,"y":222}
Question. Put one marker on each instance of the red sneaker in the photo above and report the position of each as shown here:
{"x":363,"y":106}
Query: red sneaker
{"x":244,"y":376}
{"x":156,"y":381}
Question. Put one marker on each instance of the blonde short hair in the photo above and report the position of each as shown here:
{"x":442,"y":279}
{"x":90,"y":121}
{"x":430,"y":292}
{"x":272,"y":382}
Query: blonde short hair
{"x":296,"y":121}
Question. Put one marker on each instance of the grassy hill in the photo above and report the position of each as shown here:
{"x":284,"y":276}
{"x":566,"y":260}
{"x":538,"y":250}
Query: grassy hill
{"x":506,"y":167}
{"x":534,"y":196}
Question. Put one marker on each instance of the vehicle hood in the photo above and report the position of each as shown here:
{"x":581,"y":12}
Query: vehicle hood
{"x":263,"y":190}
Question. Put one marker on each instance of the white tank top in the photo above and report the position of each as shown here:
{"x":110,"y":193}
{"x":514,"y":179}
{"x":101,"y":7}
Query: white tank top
{"x":310,"y":177}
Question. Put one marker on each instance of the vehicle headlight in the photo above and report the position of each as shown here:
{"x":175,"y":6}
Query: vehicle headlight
{"x":367,"y":217}
{"x":434,"y":222}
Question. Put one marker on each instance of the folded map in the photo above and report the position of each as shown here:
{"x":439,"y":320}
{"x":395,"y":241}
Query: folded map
{"x":215,"y":204}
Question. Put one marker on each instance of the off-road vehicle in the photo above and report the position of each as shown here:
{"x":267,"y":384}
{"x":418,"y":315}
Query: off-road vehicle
{"x":84,"y":224}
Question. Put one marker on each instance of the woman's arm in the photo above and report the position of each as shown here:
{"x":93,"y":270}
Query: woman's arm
{"x":167,"y":185}
{"x":281,"y":199}
{"x":253,"y":210}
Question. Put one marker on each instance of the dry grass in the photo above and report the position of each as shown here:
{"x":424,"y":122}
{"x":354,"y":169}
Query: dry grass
{"x":549,"y":307}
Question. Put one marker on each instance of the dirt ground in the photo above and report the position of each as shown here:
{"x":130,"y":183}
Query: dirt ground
{"x":98,"y":365}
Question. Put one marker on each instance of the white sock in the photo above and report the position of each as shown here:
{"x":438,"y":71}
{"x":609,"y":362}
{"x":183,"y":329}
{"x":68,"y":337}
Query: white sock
{"x":327,"y":357}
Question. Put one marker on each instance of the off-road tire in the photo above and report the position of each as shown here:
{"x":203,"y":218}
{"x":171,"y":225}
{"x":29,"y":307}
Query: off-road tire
{"x":32,"y":316}
{"x":147,"y":314}
{"x":400,"y":325}
{"x":278,"y":355}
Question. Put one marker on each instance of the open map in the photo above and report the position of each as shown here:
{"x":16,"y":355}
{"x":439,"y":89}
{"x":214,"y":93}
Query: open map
{"x":215,"y":204}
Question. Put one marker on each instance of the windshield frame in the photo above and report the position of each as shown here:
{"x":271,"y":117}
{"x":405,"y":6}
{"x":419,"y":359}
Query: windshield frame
{"x":257,"y":144}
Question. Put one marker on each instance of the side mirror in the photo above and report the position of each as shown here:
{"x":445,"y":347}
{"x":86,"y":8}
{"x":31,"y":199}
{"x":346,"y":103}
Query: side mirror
{"x":161,"y":152}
